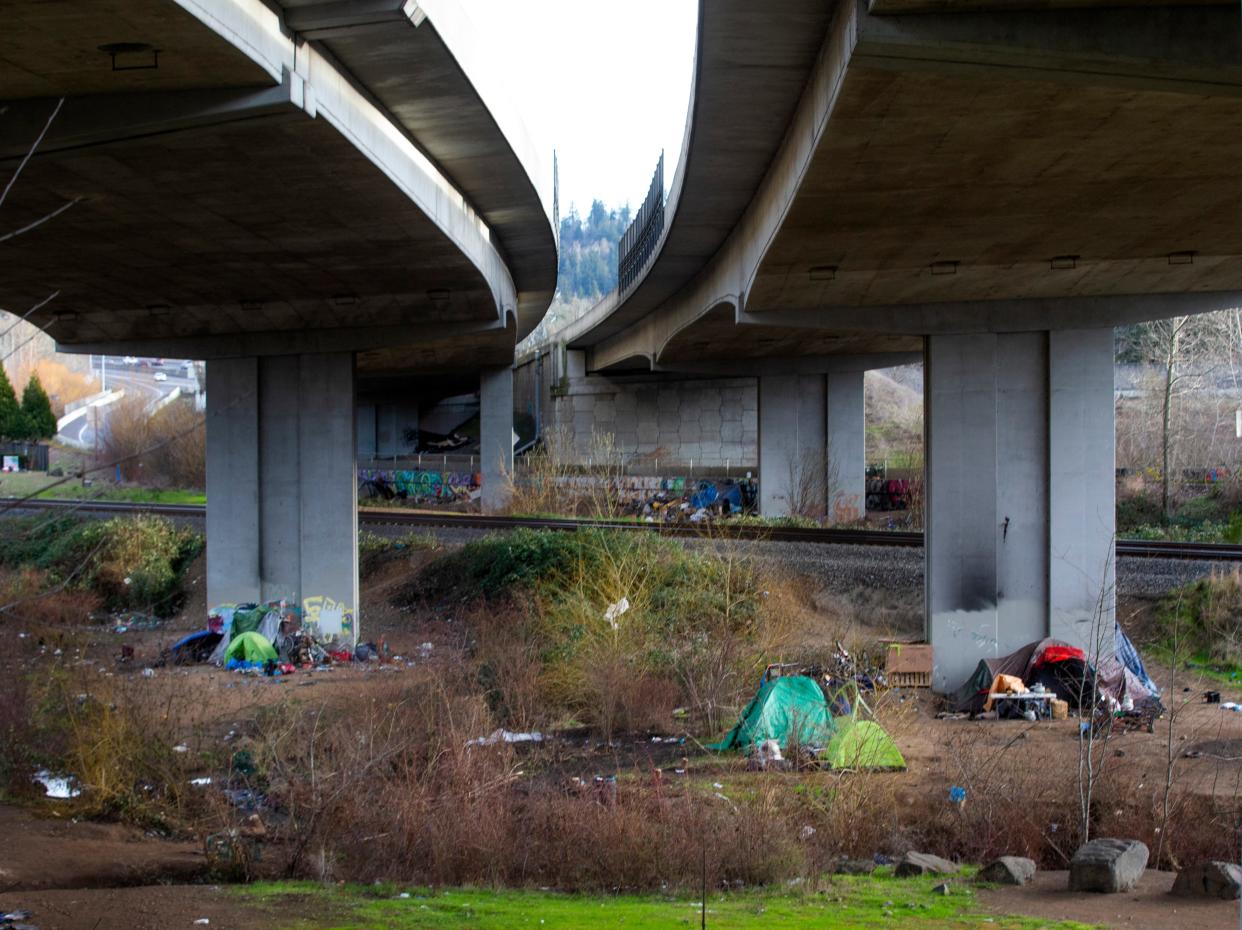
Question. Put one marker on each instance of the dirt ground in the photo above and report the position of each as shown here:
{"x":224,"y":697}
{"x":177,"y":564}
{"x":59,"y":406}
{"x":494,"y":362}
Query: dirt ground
{"x":1148,"y":907}
{"x":84,"y":876}
{"x":161,"y":907}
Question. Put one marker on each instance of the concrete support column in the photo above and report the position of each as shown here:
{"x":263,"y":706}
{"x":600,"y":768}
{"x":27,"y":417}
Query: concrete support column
{"x":282,"y":511}
{"x":1018,"y":450}
{"x":1082,"y":472}
{"x":792,"y":424}
{"x":496,"y":437}
{"x":232,"y":480}
{"x":845,"y":431}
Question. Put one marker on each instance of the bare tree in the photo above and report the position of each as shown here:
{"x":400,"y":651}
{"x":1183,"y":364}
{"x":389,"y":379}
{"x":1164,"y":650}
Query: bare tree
{"x":1188,"y":353}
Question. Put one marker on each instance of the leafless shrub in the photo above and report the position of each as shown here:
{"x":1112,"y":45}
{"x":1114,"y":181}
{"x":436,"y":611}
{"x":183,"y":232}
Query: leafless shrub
{"x":167,"y":448}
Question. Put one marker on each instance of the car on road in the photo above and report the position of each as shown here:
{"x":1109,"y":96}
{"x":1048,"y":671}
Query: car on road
{"x":129,"y":360}
{"x":161,"y":376}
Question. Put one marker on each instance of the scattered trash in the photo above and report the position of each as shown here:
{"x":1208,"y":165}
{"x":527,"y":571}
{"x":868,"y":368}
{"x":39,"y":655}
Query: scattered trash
{"x":60,"y":787}
{"x":148,"y":673}
{"x":181,"y":747}
{"x":200,"y":782}
{"x":616,"y":610}
{"x":957,"y":795}
{"x":502,"y":735}
{"x":806,"y":832}
{"x":202,"y":921}
{"x":1211,"y":697}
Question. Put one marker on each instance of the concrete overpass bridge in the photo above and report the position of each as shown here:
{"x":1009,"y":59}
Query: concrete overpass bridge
{"x":988,"y":185}
{"x":307,"y":194}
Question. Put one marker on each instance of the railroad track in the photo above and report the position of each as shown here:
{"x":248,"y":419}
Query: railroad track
{"x":1142,"y":548}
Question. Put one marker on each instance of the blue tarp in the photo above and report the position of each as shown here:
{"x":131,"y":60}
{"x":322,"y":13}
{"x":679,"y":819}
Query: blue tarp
{"x":1130,"y":658}
{"x":192,"y":638}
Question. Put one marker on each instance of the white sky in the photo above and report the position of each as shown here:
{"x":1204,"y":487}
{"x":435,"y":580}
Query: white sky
{"x":604,"y":83}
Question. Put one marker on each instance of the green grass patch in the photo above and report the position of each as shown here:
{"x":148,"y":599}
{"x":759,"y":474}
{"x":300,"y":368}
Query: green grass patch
{"x":842,"y":903}
{"x":45,"y":486}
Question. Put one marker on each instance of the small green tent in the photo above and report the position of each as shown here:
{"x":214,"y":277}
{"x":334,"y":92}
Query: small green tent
{"x":862,"y":744}
{"x":790,"y":710}
{"x":249,"y":647}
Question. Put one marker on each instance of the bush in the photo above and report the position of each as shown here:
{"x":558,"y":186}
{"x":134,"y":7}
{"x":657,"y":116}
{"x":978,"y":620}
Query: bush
{"x":131,"y":563}
{"x":111,"y":737}
{"x":694,"y":633}
{"x":1205,"y":618}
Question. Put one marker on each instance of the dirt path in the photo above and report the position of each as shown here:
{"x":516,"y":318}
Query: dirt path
{"x":1148,"y":907}
{"x":45,"y":852}
{"x":162,"y":907}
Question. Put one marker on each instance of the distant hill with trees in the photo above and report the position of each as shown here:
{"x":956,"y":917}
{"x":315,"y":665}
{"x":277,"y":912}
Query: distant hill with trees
{"x":588,"y":264}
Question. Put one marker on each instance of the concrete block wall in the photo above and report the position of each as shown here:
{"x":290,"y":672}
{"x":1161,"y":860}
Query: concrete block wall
{"x":709,"y":423}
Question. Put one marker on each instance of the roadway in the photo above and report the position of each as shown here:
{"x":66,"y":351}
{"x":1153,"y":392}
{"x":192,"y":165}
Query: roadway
{"x":138,"y":380}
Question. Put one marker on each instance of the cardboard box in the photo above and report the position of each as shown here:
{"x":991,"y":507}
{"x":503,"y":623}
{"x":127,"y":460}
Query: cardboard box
{"x":909,"y":665}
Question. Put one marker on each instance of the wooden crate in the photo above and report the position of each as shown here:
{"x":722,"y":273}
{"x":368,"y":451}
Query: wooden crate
{"x":908,"y":665}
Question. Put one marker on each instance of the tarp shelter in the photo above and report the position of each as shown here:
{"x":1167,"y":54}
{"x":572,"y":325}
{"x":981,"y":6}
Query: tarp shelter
{"x":231,"y":620}
{"x":1062,"y":669}
{"x":250,"y":647}
{"x":862,"y":744}
{"x":789,"y":709}
{"x":196,"y":647}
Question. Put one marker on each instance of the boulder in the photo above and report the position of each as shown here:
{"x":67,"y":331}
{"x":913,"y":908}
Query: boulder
{"x":855,"y":867}
{"x":917,"y":863}
{"x":1209,"y":880}
{"x":1108,"y":866}
{"x":1008,"y":870}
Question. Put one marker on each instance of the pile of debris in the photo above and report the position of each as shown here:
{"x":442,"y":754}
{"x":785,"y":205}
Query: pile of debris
{"x":268,"y":639}
{"x":703,"y":500}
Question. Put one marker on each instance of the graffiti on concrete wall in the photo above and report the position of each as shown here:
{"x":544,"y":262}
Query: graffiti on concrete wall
{"x":328,"y":618}
{"x":419,"y":484}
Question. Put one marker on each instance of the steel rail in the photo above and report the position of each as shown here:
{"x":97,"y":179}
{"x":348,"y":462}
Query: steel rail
{"x":376,"y":516}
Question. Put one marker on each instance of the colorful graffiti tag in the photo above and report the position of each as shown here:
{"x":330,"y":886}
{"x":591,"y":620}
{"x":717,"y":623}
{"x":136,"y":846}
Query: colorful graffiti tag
{"x":328,"y":618}
{"x":420,"y":484}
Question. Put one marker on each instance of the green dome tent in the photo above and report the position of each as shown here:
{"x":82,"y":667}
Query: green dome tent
{"x":249,"y":647}
{"x":789,"y":709}
{"x":862,"y":744}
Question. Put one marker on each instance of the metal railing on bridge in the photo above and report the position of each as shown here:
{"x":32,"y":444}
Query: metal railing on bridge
{"x":639,"y":241}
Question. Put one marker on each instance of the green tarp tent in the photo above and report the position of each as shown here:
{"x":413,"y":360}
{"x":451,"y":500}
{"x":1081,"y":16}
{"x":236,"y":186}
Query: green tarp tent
{"x":790,"y":710}
{"x":861,"y":744}
{"x":249,"y":647}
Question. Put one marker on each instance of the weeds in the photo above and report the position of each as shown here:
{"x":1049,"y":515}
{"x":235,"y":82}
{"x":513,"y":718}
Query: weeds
{"x":127,"y":563}
{"x":616,"y":629}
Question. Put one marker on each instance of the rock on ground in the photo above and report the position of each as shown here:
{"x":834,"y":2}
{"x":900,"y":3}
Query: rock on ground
{"x":1108,"y":866}
{"x":1209,"y":880}
{"x":917,"y":863}
{"x":1008,"y":870}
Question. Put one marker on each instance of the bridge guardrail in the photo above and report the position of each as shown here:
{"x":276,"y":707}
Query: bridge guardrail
{"x":638,"y":242}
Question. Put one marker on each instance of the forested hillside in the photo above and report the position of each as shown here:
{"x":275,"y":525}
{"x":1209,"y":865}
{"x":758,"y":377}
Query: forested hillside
{"x":589,"y":251}
{"x":588,"y":266}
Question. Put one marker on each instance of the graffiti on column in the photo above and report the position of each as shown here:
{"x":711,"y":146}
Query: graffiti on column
{"x":328,"y":618}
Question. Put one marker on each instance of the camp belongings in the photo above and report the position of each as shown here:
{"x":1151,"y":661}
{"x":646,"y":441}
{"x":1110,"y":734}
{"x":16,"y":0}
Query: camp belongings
{"x":1064,"y":671}
{"x":792,"y":710}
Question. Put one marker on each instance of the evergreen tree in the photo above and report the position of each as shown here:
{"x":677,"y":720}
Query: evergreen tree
{"x":37,"y":410}
{"x":12,"y":422}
